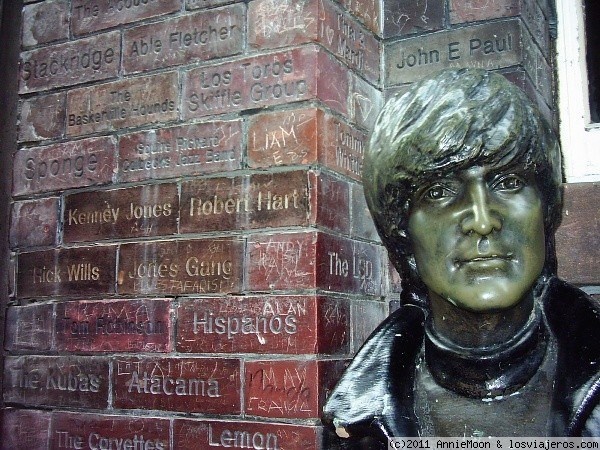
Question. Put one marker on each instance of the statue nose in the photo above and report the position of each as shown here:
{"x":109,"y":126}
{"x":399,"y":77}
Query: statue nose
{"x":480,"y":217}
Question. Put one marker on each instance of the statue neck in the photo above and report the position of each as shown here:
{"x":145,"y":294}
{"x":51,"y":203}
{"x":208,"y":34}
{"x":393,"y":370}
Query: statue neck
{"x":477,"y":330}
{"x":496,"y":361}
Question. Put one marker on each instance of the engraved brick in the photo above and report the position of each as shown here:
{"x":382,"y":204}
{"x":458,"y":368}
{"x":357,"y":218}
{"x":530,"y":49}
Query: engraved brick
{"x":121,"y":213}
{"x":578,"y":237}
{"x":345,"y":265}
{"x":305,"y":136}
{"x":274,"y":24}
{"x":361,"y":223}
{"x":71,"y":271}
{"x":34,"y":223}
{"x":194,"y":434}
{"x":95,"y":431}
{"x":288,"y":388}
{"x":68,"y":381}
{"x":263,"y":324}
{"x":402,"y":17}
{"x":42,"y":118}
{"x":314,"y":260}
{"x":67,"y":165}
{"x":121,"y":104}
{"x":348,"y":40}
{"x":45,"y":22}
{"x":94,"y":15}
{"x":205,"y":385}
{"x":474,"y":10}
{"x":364,"y":102}
{"x":76,"y":62}
{"x":272,"y":79}
{"x":29,"y":327}
{"x":141,"y":325}
{"x":489,"y":45}
{"x":283,"y":138}
{"x":197,"y":4}
{"x":193,"y":149}
{"x":367,"y":11}
{"x":181,"y":267}
{"x":254,"y":201}
{"x":343,"y":145}
{"x":200,"y":36}
{"x":331,"y":201}
{"x":23,"y":429}
{"x":282,"y":261}
{"x":281,"y":23}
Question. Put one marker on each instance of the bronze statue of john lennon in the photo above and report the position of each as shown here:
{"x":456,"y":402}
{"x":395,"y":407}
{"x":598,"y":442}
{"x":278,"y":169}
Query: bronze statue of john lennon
{"x":462,"y":177}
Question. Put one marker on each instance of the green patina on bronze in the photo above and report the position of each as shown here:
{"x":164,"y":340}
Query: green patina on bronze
{"x":446,"y":124}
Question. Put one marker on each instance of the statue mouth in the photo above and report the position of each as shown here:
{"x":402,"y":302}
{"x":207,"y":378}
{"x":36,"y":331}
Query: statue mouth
{"x":485,"y":261}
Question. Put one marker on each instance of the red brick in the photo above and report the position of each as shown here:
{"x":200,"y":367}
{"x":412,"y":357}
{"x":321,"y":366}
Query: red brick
{"x":94,"y":15}
{"x":29,"y":327}
{"x":122,"y":104}
{"x":282,"y":261}
{"x":193,"y":149}
{"x":72,"y":381}
{"x":283,"y":138}
{"x":288,"y":388}
{"x":303,"y":136}
{"x":150,"y":210}
{"x":70,"y":271}
{"x":254,"y":201}
{"x":577,"y":239}
{"x":364,"y":102}
{"x":255,"y":82}
{"x":95,"y":431}
{"x":34,"y":223}
{"x":343,"y":146}
{"x":263,"y":324}
{"x":348,"y":40}
{"x":402,"y":17}
{"x":142,"y":325}
{"x":474,"y":10}
{"x":45,"y":22}
{"x":314,"y":260}
{"x":273,"y":23}
{"x":205,"y":385}
{"x":76,"y":62}
{"x":42,"y":118}
{"x":181,"y":267}
{"x":332,"y":201}
{"x":67,"y":165}
{"x":345,"y":265}
{"x":200,"y":36}
{"x":24,"y":429}
{"x":367,"y":11}
{"x":194,"y":434}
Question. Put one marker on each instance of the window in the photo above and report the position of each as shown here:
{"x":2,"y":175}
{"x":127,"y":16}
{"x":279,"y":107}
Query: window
{"x":579,"y":104}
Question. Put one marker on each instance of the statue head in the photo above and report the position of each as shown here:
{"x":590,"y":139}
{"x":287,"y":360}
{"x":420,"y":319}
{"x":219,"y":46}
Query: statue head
{"x":462,"y":177}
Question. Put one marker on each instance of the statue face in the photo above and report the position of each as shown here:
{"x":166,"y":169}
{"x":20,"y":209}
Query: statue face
{"x":478,"y":237}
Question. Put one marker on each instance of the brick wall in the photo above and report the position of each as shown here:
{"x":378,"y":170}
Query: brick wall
{"x":191,"y":247}
{"x":192,"y":258}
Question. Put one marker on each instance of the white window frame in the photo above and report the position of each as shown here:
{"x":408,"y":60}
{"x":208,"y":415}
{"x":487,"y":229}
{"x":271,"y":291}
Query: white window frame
{"x":580,"y":138}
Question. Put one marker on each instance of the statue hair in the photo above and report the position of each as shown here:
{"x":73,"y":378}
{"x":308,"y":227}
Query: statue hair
{"x":447,"y":122}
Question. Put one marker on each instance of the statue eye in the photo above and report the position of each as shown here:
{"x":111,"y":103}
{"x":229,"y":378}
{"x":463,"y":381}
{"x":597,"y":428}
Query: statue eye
{"x":511,"y":183}
{"x":437,"y":192}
